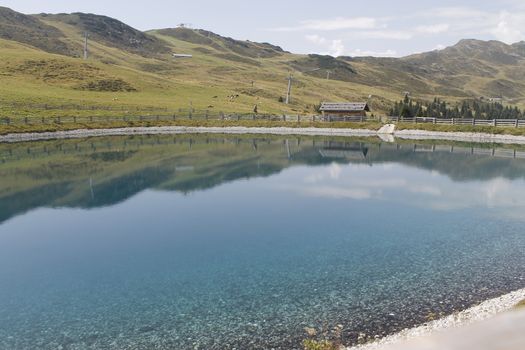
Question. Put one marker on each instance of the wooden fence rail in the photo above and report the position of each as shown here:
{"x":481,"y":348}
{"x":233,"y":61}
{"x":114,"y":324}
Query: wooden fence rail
{"x":180,"y":115}
{"x":508,"y":123}
{"x":208,"y":115}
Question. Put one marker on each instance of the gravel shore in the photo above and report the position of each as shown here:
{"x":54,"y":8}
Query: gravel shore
{"x":185,"y":130}
{"x":459,"y":136}
{"x":481,"y":312}
{"x":403,"y":134}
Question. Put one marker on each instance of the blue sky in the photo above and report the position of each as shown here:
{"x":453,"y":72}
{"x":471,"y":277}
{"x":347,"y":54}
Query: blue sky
{"x":336,"y":27}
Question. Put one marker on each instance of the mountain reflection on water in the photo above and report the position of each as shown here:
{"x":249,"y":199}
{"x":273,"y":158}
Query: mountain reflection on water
{"x":98,"y":172}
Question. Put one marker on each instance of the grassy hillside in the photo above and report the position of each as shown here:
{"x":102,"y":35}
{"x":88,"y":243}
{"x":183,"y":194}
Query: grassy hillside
{"x":131,"y":72}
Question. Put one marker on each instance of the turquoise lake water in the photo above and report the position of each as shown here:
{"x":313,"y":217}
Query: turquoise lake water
{"x":195,"y":242}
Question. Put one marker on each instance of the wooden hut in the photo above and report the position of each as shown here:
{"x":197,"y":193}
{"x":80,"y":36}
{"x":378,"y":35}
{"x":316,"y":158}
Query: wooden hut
{"x":338,"y":110}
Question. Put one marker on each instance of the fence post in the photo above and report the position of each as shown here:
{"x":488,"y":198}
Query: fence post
{"x":473,"y":122}
{"x":238,"y":117}
{"x":313,"y":118}
{"x":75,"y":120}
{"x":25,"y":120}
{"x":8,"y":120}
{"x":517,"y":123}
{"x":189,"y":115}
{"x":206,"y":114}
{"x":222,"y":115}
{"x":298,"y":118}
{"x":284,"y":117}
{"x":433,"y":120}
{"x":361,"y":118}
{"x":495,"y":122}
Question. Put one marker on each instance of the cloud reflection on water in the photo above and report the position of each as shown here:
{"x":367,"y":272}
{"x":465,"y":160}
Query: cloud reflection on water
{"x":398,"y":184}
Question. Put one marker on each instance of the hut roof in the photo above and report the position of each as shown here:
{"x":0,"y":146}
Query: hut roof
{"x":344,"y":107}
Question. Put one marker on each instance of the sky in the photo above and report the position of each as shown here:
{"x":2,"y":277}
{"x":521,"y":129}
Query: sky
{"x":335,"y":27}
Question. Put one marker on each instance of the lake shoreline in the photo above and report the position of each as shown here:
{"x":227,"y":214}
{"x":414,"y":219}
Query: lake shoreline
{"x":409,"y":134}
{"x":480,"y":312}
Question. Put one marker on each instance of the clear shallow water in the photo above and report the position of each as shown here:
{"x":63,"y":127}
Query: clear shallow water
{"x":220,"y":243}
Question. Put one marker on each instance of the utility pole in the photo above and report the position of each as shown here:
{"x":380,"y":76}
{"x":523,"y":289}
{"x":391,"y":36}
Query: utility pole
{"x":86,"y":53}
{"x":289,"y":92}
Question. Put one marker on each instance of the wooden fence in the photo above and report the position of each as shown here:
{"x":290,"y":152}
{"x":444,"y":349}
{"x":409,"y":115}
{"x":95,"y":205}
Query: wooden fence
{"x":207,"y":115}
{"x":181,"y":115}
{"x":508,"y":123}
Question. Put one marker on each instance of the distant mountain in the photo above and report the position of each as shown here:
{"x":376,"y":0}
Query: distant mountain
{"x":492,"y":68}
{"x":112,"y":32}
{"x":224,"y":44}
{"x":322,"y":66}
{"x":29,"y":30}
{"x":42,"y":53}
{"x":494,"y":52}
{"x":520,"y":47}
{"x":471,"y":68}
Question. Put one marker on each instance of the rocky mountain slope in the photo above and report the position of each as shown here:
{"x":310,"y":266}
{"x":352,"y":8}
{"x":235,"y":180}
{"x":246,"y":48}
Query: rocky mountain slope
{"x":29,"y":30}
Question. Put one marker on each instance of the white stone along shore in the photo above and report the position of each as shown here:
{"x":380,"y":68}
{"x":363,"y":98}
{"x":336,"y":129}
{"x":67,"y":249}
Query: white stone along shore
{"x":481,"y":312}
{"x":387,"y":136}
{"x":156,"y":130}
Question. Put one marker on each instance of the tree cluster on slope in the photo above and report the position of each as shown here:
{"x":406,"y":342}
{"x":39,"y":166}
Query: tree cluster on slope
{"x":408,"y":108}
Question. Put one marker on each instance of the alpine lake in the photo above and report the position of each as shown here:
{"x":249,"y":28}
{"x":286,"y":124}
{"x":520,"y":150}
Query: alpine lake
{"x":250,"y":242}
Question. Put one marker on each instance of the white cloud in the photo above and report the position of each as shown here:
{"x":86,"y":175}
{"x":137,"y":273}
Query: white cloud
{"x":316,"y":39}
{"x":454,"y":12}
{"x":465,"y":22}
{"x":352,"y":36}
{"x":433,"y":29}
{"x":333,"y":47}
{"x":384,"y":34}
{"x":337,"y":48}
{"x":510,"y":28}
{"x":364,"y":53}
{"x":338,"y":23}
